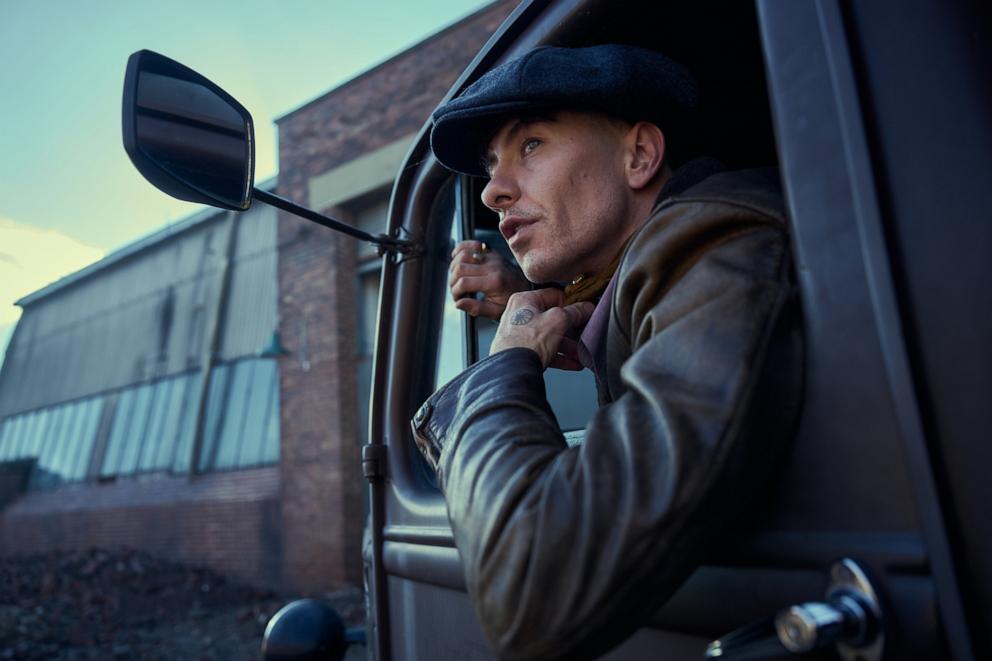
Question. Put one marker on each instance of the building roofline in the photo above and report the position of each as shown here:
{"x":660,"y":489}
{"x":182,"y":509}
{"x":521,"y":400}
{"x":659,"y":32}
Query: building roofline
{"x":133,"y":248}
{"x":389,"y":59}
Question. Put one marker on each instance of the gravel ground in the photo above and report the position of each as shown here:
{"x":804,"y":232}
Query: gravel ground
{"x":122,"y":604}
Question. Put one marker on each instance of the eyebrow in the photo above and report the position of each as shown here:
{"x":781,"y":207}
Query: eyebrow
{"x":489,"y":158}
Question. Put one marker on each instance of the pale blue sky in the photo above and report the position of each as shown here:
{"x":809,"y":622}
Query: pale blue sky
{"x":68,"y":193}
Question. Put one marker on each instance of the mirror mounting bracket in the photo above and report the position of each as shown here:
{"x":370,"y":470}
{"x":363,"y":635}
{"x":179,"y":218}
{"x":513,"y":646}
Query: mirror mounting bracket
{"x":384,"y":244}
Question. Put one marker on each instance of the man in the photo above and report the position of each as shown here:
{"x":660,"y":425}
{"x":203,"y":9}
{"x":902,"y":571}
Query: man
{"x":681,"y":292}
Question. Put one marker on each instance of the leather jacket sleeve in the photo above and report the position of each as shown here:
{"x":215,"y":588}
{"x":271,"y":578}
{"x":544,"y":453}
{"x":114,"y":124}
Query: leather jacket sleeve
{"x":566,"y":551}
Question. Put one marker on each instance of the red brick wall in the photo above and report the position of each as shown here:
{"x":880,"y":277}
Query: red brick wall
{"x":226,"y":521}
{"x":322,"y":486}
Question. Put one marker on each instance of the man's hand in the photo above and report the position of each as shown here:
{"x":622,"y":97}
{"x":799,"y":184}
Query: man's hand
{"x":537,"y":320}
{"x":474,"y":268}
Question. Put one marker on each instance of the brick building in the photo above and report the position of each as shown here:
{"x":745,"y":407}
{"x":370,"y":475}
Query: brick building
{"x":141,"y":403}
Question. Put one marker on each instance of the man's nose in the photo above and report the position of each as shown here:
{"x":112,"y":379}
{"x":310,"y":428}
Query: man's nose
{"x":501,"y":191}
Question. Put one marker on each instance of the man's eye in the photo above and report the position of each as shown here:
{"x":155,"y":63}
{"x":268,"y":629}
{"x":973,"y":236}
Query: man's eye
{"x":530,"y":144}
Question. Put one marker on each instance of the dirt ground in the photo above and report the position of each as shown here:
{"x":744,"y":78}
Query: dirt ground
{"x":101,"y":604}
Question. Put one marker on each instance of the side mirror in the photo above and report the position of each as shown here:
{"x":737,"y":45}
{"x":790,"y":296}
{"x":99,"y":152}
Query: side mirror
{"x":187,"y":136}
{"x":194,"y":141}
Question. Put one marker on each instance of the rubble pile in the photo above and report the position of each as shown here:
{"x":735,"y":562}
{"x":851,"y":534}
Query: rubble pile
{"x":124,"y":604}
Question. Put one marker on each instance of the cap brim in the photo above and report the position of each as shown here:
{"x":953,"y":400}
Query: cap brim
{"x":459,"y":138}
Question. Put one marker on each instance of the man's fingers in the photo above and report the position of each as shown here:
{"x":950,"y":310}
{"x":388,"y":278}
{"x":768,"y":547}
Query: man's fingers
{"x":563,"y":362}
{"x":542,"y":299}
{"x":579,"y":313}
{"x":471,"y":251}
{"x":471,"y":284}
{"x":478,"y":308}
{"x":460,"y":269}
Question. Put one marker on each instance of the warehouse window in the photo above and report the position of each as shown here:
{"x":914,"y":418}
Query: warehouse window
{"x":59,"y":438}
{"x":152,"y":427}
{"x":242,"y":425}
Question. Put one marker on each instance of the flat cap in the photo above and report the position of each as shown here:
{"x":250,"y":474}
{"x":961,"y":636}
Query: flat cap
{"x":626,"y":82}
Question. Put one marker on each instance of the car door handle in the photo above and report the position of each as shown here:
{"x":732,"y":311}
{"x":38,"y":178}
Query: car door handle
{"x":849,"y":618}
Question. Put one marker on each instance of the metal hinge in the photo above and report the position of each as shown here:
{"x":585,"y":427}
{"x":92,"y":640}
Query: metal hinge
{"x":374,"y":461}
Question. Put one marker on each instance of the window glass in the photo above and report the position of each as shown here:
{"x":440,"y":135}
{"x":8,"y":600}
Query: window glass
{"x":56,"y":428}
{"x":66,"y":445}
{"x":156,"y":425}
{"x":15,"y":440}
{"x":135,"y":435}
{"x":77,"y":441}
{"x":44,"y":418}
{"x":87,"y":437}
{"x":187,"y":423}
{"x":452,"y":350}
{"x":231,"y":432}
{"x":6,"y":427}
{"x":254,"y":427}
{"x":171,"y":419}
{"x":45,"y":473}
{"x":118,"y":433}
{"x":27,"y":435}
{"x":216,"y":401}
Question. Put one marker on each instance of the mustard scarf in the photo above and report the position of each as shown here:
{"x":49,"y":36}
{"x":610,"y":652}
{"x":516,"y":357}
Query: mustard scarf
{"x":591,"y":287}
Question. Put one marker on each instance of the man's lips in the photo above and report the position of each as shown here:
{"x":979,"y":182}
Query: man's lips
{"x":509,"y":225}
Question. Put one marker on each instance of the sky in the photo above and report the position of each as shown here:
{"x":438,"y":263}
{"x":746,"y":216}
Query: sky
{"x":68,"y":193}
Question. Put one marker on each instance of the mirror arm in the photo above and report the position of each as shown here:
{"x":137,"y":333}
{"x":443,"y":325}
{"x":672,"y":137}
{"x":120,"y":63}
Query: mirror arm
{"x":385,"y":244}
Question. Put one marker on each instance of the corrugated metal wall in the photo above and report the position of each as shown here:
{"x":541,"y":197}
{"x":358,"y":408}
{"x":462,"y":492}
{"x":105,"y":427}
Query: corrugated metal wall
{"x":147,"y":315}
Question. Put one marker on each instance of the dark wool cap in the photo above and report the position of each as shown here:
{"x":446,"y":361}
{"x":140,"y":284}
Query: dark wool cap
{"x":626,"y":82}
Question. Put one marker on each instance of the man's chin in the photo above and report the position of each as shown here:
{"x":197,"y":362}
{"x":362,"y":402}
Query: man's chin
{"x":538,"y":268}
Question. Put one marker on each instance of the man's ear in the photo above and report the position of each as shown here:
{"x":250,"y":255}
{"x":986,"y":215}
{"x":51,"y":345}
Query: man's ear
{"x":645,"y":154}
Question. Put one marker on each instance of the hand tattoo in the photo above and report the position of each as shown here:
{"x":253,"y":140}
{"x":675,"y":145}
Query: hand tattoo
{"x":521,"y":317}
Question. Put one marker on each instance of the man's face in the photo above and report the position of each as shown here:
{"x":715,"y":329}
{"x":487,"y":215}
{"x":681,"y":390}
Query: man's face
{"x":559,"y":187}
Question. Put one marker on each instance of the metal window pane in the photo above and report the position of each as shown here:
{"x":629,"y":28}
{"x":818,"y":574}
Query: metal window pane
{"x":15,"y":440}
{"x":80,"y":439}
{"x":26,"y":433}
{"x":270,"y":447}
{"x":42,"y":427}
{"x":136,"y":430}
{"x":6,"y":428}
{"x":118,"y":434}
{"x":216,"y":402}
{"x":61,"y":448}
{"x":156,"y":425}
{"x":52,"y":444}
{"x":86,"y":436}
{"x":8,"y":449}
{"x":451,"y":351}
{"x":30,"y":421}
{"x":233,"y":427}
{"x":253,"y":436}
{"x":7,"y":440}
{"x":22,"y":436}
{"x":172,"y":423}
{"x":187,"y":424}
{"x":42,"y":476}
{"x":30,"y":424}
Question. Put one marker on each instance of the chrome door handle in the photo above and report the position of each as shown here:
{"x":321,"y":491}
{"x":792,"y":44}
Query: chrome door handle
{"x":849,"y":618}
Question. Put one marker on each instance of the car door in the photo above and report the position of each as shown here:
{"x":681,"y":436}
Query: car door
{"x":859,"y":481}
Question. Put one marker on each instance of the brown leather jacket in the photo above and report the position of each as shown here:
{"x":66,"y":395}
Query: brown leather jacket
{"x":566,"y":551}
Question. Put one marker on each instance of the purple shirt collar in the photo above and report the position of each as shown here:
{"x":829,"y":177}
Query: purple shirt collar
{"x":592,"y":342}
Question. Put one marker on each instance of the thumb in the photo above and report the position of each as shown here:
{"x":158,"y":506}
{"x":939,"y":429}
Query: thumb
{"x":548,"y":298}
{"x":579,"y":313}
